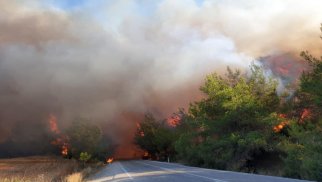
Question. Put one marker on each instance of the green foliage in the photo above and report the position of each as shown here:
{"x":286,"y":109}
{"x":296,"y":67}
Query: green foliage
{"x":233,"y":124}
{"x":84,"y":156}
{"x":311,"y":81}
{"x":304,"y":147}
{"x":304,"y":152}
{"x":85,"y":137}
{"x":239,"y":125}
{"x":155,"y":137}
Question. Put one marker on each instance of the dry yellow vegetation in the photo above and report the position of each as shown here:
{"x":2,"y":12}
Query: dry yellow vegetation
{"x":40,"y":168}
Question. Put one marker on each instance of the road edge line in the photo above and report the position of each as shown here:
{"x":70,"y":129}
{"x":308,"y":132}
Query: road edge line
{"x":167,"y":169}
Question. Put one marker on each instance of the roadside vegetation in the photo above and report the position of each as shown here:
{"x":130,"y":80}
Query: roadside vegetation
{"x":43,"y":168}
{"x":83,"y":151}
{"x":85,"y":142}
{"x":243,"y":124}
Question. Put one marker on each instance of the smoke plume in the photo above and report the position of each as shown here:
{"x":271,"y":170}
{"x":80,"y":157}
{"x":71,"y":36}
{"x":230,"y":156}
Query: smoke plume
{"x":112,"y":61}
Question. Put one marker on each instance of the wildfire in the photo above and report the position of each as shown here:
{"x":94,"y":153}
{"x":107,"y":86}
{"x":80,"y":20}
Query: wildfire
{"x":61,"y":140}
{"x":282,"y":116}
{"x":283,"y":70}
{"x":53,"y":124}
{"x":278,"y":128}
{"x":174,"y":120}
{"x":64,"y":149}
{"x":109,"y":160}
{"x":138,"y":126}
{"x":146,"y":154}
{"x":306,"y":113}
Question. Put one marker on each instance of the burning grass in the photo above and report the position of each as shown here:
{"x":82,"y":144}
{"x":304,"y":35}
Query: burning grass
{"x":39,"y":168}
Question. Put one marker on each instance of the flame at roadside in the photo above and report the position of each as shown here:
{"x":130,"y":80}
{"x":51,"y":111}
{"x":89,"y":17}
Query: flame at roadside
{"x":136,"y":65}
{"x":64,"y":149}
{"x":61,"y":140}
{"x":109,"y":160}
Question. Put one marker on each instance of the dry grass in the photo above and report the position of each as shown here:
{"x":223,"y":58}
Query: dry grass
{"x":40,"y":168}
{"x":75,"y":177}
{"x":80,"y":176}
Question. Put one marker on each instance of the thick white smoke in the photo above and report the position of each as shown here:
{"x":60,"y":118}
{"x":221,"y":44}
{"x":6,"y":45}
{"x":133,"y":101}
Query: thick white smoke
{"x":102,"y":59}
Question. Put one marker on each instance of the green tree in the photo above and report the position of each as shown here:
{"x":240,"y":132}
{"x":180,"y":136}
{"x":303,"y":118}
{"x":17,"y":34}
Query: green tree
{"x":155,"y":137}
{"x":84,"y":157}
{"x":304,"y":146}
{"x":233,"y":124}
{"x":311,"y":81}
{"x":83,"y":137}
{"x":304,"y":151}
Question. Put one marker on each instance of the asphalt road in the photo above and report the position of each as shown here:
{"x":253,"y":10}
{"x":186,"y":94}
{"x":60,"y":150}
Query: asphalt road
{"x":144,"y":170}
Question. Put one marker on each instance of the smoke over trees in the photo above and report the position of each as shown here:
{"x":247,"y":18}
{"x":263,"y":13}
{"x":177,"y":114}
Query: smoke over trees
{"x":113,"y":61}
{"x":244,"y":125}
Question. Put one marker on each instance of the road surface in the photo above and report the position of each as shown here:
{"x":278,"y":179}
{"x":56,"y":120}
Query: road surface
{"x":144,"y":170}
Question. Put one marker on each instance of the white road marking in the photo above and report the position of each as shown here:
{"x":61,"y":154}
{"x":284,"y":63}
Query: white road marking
{"x":183,"y":172}
{"x":125,"y":171}
{"x":181,"y":165}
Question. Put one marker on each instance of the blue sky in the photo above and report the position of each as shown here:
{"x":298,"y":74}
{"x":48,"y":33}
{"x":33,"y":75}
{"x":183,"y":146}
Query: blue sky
{"x":71,"y":4}
{"x":67,"y":4}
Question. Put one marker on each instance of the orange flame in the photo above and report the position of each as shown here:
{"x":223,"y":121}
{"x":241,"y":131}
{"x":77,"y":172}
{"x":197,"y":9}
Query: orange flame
{"x":53,"y":124}
{"x":61,"y":140}
{"x":306,"y":113}
{"x":174,"y":120}
{"x":64,"y":149}
{"x":278,"y":128}
{"x":146,"y":154}
{"x":57,"y":141}
{"x":282,"y":116}
{"x":109,"y":160}
{"x":138,"y":126}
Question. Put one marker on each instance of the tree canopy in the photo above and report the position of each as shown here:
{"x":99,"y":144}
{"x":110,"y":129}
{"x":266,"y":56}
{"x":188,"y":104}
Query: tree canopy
{"x":87,"y":138}
{"x":243,"y":124}
{"x":155,"y":137}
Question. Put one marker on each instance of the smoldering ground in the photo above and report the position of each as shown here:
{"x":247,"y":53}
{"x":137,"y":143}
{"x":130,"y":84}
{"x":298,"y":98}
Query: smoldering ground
{"x":103,"y":60}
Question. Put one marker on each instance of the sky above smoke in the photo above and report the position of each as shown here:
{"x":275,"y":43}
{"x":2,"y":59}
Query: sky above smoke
{"x":110,"y":60}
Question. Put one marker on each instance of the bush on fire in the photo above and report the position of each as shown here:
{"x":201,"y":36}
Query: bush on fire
{"x":242,"y":124}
